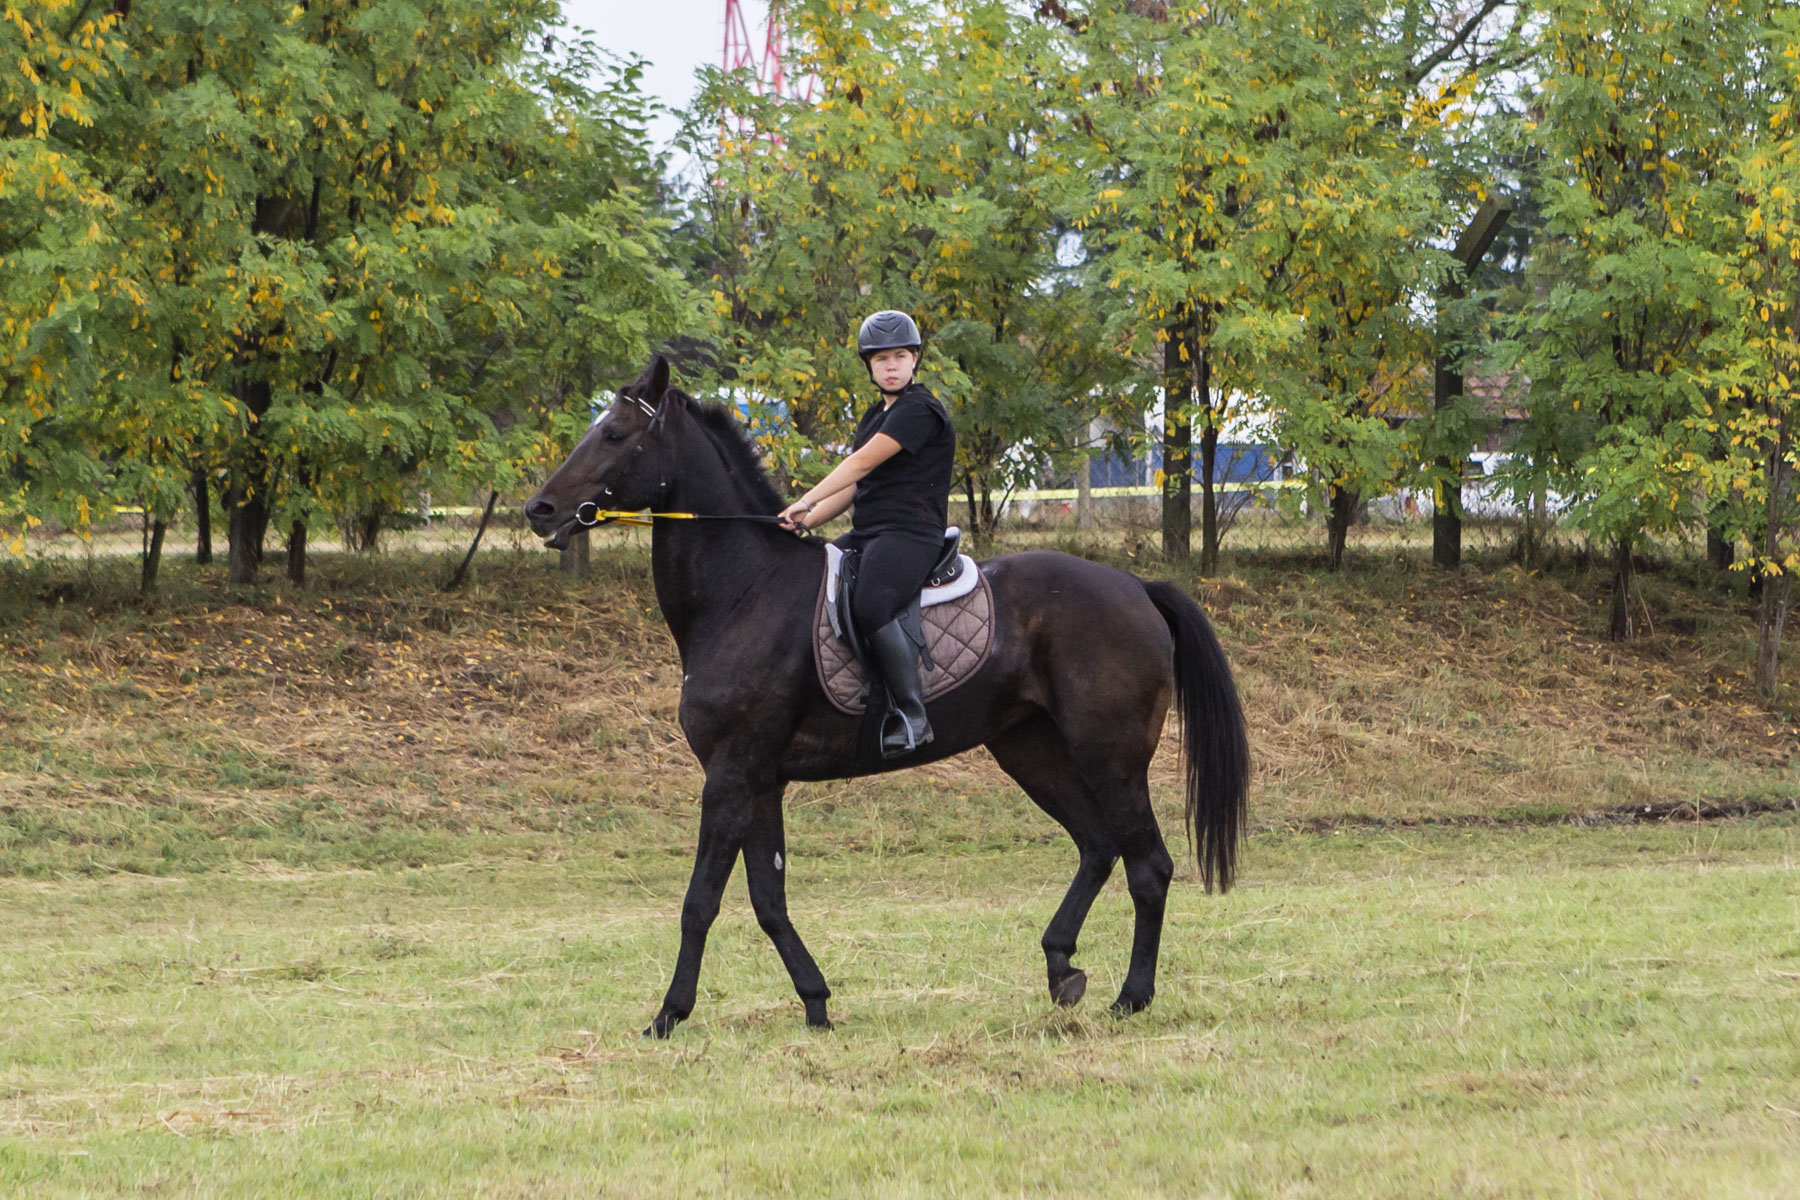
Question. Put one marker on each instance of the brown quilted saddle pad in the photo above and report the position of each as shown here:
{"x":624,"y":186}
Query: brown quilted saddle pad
{"x":959,"y":634}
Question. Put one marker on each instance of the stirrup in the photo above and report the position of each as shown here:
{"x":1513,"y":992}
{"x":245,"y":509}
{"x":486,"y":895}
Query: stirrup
{"x":900,"y":737}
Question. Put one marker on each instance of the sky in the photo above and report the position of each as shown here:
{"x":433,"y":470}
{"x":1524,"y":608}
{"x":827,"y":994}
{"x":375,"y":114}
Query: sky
{"x":676,"y":36}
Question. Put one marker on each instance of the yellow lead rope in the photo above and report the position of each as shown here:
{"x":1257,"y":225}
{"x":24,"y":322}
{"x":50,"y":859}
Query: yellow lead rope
{"x":637,"y":518}
{"x":590,"y":516}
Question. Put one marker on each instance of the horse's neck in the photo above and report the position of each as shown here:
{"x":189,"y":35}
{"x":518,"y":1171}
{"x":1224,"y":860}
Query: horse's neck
{"x":702,"y":569}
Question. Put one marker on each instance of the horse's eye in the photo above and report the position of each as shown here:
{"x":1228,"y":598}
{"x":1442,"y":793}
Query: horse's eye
{"x":613,"y":435}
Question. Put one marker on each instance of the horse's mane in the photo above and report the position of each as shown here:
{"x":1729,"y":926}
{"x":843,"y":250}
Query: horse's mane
{"x":722,"y":426}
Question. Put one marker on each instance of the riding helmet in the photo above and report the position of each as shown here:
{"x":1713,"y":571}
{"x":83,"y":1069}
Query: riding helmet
{"x":887,"y":330}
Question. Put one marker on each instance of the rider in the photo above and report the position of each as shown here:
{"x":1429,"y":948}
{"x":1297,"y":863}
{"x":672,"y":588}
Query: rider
{"x":898,"y":474}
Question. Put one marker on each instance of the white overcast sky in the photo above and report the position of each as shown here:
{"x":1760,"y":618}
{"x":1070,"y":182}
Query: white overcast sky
{"x":676,"y":36}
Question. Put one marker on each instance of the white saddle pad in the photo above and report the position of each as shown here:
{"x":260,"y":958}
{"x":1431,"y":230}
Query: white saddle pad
{"x":956,"y":589}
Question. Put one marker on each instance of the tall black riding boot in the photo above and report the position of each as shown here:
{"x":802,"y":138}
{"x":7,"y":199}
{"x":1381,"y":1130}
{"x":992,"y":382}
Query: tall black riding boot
{"x":905,"y":727}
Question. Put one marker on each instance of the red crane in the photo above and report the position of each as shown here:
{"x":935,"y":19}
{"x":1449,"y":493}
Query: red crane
{"x":770,"y":68}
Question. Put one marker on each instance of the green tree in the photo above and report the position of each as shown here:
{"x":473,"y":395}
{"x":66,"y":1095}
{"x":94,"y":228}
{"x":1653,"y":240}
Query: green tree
{"x":367,"y":248}
{"x":1642,"y":107}
{"x":57,"y":264}
{"x":925,"y":178}
{"x":1754,"y":405}
{"x":1265,"y":201}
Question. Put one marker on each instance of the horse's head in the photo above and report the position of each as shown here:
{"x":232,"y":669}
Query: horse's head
{"x":614,"y":466}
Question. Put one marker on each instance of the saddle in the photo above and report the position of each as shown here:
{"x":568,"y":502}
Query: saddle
{"x":952,"y":622}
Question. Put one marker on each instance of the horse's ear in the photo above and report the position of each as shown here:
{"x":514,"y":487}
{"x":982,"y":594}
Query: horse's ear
{"x":659,"y":379}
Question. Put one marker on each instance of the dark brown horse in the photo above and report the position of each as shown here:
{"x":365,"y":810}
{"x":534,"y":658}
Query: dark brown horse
{"x":1071,"y":703}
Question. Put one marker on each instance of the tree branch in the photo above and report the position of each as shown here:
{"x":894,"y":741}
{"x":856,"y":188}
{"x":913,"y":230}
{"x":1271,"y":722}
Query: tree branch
{"x":1437,"y":57}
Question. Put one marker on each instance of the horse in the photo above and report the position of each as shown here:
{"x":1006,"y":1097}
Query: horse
{"x":1071,"y":702}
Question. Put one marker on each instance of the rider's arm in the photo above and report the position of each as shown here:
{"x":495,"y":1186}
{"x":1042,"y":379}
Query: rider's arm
{"x":827,"y":509}
{"x":848,"y":473}
{"x":833,"y":494}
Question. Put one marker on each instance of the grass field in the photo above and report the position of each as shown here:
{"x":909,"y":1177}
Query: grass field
{"x":366,"y":890}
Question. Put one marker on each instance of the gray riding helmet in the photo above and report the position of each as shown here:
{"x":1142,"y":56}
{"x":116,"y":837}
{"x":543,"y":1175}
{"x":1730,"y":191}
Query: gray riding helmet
{"x":888,"y":329}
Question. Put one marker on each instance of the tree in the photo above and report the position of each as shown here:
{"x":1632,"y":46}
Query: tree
{"x":926,"y":179}
{"x":1261,"y":198}
{"x":56,"y":263}
{"x":1642,"y":107}
{"x":1755,"y":404}
{"x":364,"y":248}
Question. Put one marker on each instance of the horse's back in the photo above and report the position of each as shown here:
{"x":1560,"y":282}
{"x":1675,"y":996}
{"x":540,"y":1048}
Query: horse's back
{"x":1056,"y":592}
{"x":1080,"y":625}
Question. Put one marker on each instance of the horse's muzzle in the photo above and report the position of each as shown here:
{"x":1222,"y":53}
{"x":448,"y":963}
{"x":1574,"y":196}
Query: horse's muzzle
{"x":550,"y":522}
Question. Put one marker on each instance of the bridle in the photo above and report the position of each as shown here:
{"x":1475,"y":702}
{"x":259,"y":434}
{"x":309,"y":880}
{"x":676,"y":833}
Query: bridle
{"x":588,"y":513}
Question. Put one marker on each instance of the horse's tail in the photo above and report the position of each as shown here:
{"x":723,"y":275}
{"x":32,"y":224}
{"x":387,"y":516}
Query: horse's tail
{"x":1212,"y":733}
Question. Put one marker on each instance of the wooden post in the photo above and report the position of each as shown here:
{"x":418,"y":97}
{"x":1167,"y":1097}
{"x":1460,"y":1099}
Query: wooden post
{"x":1447,"y":381}
{"x":575,"y":554}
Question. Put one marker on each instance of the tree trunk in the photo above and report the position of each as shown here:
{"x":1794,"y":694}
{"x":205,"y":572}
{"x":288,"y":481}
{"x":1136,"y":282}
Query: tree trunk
{"x":1471,"y":247}
{"x":152,"y":557}
{"x":1537,"y":526}
{"x":1720,"y":552}
{"x":1178,"y":449}
{"x":296,"y":558}
{"x":203,"y":512}
{"x":1777,"y":594}
{"x":365,"y":528}
{"x":1344,"y":505}
{"x":463,"y":569}
{"x":575,"y":555}
{"x":247,"y":494}
{"x":1777,"y":590}
{"x":1446,"y":508}
{"x":1209,"y":500}
{"x":1209,"y":458}
{"x":249,"y":522}
{"x":1084,"y":494}
{"x":1619,"y":619}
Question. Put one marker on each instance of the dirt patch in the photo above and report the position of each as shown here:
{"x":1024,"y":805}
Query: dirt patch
{"x":1624,"y":814}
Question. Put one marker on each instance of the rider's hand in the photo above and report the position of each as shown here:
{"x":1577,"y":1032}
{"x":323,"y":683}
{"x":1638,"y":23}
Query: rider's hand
{"x":793,"y":517}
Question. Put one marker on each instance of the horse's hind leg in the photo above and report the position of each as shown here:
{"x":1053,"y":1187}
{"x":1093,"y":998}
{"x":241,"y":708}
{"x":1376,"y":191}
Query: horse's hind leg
{"x":1148,"y":870}
{"x":765,"y":865}
{"x":1038,"y":759}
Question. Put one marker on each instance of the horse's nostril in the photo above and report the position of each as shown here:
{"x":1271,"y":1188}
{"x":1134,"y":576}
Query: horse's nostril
{"x":540,"y":508}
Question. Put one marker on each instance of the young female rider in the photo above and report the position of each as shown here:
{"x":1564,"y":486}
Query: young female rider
{"x":898,"y":476}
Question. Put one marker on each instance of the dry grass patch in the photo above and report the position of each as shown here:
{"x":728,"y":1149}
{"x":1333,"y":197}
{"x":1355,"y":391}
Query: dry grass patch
{"x":533,"y":704}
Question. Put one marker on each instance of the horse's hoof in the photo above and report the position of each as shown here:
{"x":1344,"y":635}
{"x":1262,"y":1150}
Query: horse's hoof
{"x":822,"y":1025}
{"x":1068,"y":991}
{"x":1126,"y":1006}
{"x":662,"y":1026}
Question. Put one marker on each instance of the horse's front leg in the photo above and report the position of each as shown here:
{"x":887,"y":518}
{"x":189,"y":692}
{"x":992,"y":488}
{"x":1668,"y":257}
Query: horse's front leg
{"x":724,"y":816}
{"x":765,"y":865}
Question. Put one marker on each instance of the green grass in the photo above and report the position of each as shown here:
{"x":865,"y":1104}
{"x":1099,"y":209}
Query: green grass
{"x":1561,"y":1011}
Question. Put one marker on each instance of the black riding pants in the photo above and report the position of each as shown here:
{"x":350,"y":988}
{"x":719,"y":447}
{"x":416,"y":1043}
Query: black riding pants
{"x":894,"y":567}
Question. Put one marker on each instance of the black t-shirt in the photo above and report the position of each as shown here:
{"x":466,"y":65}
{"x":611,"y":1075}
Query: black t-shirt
{"x":910,"y":492}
